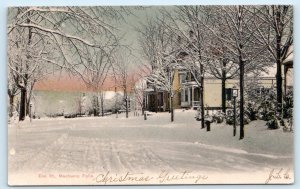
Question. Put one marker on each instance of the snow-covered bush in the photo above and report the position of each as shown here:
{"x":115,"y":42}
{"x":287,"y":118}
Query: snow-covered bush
{"x":288,"y":104}
{"x":230,"y":115}
{"x":274,"y":122}
{"x":251,"y":111}
{"x":218,"y":117}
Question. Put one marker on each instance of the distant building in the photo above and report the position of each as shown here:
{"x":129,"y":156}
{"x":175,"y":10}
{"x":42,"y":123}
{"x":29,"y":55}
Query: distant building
{"x":187,"y":92}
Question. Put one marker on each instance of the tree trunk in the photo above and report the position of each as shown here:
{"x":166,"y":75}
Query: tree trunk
{"x":22,"y":112}
{"x":223,"y":95}
{"x":172,"y":109}
{"x":11,"y":105}
{"x":126,"y":105}
{"x":23,"y":103}
{"x":223,"y":85}
{"x":241,"y":98}
{"x":143,"y":104}
{"x":116,"y":101}
{"x":169,"y":97}
{"x":241,"y":66}
{"x":234,"y":116}
{"x":96,"y":106}
{"x":102,"y":105}
{"x":278,"y":64}
{"x":202,"y":98}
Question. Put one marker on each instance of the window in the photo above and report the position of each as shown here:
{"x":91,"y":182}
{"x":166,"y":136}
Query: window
{"x":263,"y":91}
{"x":186,"y":95}
{"x":228,"y":92}
{"x":182,"y":78}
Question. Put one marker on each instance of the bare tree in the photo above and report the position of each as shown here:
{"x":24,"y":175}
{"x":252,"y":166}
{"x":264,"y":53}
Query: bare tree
{"x":158,"y":45}
{"x":122,"y":64}
{"x":186,"y":23}
{"x":140,"y":85}
{"x":24,"y":65}
{"x":239,"y":27}
{"x":57,"y":36}
{"x":277,"y":35}
{"x":220,"y":63}
{"x":93,"y":71}
{"x":80,"y":104}
{"x":12,"y":91}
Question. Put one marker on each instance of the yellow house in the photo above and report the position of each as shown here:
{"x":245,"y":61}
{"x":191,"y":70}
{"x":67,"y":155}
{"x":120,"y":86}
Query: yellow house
{"x":187,"y":92}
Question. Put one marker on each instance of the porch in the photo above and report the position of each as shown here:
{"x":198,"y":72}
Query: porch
{"x":190,"y":95}
{"x":156,"y":101}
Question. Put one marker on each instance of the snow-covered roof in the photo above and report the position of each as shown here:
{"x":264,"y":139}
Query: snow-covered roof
{"x":110,"y":94}
{"x":141,"y":83}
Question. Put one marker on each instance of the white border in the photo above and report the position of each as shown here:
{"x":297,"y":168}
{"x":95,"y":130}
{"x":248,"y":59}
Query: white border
{"x":3,"y":77}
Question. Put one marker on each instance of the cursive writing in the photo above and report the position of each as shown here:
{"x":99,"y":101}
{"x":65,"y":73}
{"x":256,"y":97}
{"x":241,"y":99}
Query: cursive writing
{"x":166,"y":176}
{"x":278,"y":174}
{"x":108,"y":178}
{"x":135,"y":178}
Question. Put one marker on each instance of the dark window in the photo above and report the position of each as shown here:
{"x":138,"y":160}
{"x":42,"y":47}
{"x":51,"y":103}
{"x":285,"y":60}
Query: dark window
{"x":258,"y":91}
{"x":263,"y":91}
{"x":228,"y":92}
{"x":160,"y":99}
{"x":186,"y":95}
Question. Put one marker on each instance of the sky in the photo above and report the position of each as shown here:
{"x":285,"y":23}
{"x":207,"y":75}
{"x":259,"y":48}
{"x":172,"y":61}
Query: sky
{"x":127,"y":29}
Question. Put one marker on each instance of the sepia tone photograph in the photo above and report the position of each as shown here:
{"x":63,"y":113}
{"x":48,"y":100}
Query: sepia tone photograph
{"x":150,"y":95}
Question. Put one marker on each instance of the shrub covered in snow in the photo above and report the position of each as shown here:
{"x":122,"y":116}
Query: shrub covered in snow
{"x":218,"y":117}
{"x":230,"y":115}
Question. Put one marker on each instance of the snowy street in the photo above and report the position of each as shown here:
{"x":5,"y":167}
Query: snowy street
{"x":100,"y":144}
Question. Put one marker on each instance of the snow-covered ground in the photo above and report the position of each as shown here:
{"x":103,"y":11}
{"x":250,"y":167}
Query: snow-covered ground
{"x":110,"y":145}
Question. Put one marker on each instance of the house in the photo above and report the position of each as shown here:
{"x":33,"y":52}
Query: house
{"x":187,"y":92}
{"x":288,"y":71}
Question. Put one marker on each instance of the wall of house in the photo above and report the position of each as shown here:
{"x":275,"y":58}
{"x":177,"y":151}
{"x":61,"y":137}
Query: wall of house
{"x":212,"y":93}
{"x":213,"y":88}
{"x":176,"y":88}
{"x":290,"y":77}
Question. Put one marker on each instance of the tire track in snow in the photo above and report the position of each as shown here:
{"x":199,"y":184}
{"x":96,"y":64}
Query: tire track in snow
{"x":124,"y":157}
{"x":155,"y":159}
{"x":117,"y":163}
{"x":40,"y":161}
